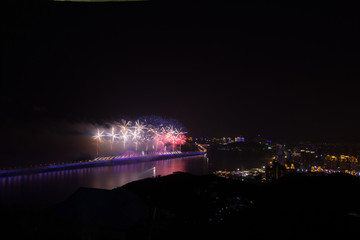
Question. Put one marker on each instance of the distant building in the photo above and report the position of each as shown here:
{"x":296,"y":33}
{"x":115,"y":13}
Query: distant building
{"x":239,"y":139}
{"x":274,"y":170}
{"x":342,"y":162}
{"x":305,"y":158}
{"x":290,"y":168}
{"x":280,"y":154}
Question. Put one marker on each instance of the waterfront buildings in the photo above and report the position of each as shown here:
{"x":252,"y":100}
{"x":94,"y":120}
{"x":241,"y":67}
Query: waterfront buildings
{"x":274,"y":170}
{"x":299,"y":157}
{"x":341,"y":162}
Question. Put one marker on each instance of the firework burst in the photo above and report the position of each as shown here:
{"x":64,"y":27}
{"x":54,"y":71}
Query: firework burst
{"x":140,"y":134}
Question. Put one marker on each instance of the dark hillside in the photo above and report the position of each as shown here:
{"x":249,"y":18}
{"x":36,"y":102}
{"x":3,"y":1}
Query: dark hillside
{"x":181,"y":205}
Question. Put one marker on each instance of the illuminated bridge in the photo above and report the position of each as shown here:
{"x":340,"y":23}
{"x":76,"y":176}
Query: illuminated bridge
{"x":127,"y":157}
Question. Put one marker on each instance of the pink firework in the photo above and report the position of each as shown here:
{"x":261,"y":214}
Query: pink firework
{"x":181,"y":139}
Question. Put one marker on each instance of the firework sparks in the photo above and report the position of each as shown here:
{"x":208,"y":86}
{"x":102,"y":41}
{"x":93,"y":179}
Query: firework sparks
{"x":112,"y":134}
{"x":98,"y":137}
{"x":140,"y":134}
{"x":124,"y":131}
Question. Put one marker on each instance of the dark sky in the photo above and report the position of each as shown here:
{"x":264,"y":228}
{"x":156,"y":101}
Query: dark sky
{"x":288,"y":72}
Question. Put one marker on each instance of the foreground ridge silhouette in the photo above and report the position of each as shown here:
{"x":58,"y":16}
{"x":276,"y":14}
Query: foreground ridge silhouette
{"x":181,"y":205}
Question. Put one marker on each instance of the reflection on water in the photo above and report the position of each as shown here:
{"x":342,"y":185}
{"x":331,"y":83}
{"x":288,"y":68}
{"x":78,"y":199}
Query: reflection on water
{"x":52,"y":187}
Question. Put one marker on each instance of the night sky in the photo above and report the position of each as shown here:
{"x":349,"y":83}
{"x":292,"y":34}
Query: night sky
{"x":287,"y":72}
